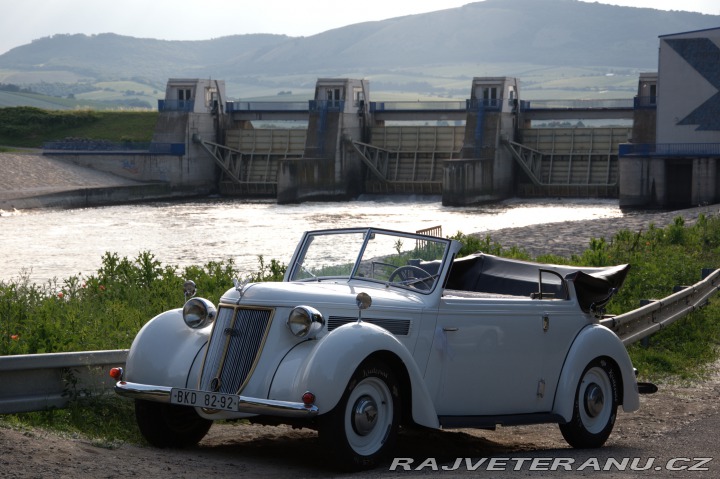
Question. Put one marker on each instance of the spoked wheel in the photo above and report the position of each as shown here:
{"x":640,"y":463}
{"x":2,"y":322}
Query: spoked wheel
{"x":595,"y":409}
{"x":168,"y":425}
{"x":363,"y":427}
{"x":412,"y":276}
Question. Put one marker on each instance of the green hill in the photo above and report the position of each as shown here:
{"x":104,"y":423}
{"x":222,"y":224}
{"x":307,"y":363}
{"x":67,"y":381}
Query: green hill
{"x":565,"y":48}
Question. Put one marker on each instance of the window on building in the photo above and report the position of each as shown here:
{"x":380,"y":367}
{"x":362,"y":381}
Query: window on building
{"x":333,"y":97}
{"x":490,"y":96}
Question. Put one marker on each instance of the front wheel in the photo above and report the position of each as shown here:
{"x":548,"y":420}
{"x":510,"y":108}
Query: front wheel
{"x":595,"y":407}
{"x":362,"y":428}
{"x":169,"y":425}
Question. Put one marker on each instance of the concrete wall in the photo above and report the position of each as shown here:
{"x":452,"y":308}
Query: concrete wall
{"x":639,"y":179}
{"x":704,"y":181}
{"x":179,"y":172}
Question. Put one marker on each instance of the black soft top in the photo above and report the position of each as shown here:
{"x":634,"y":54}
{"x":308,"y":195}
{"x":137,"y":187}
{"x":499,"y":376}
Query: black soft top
{"x":486,"y":273}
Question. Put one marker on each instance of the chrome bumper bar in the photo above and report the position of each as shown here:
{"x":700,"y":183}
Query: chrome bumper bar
{"x":265,"y":407}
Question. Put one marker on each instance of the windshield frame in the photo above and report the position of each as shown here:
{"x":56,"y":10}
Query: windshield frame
{"x":425,"y":285}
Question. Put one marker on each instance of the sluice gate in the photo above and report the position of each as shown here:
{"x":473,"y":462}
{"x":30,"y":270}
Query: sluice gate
{"x":409,"y":159}
{"x":249,"y":159}
{"x":569,"y":161}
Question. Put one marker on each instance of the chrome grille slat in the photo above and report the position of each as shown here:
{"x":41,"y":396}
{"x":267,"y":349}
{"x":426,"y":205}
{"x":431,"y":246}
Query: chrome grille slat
{"x":235,"y":344}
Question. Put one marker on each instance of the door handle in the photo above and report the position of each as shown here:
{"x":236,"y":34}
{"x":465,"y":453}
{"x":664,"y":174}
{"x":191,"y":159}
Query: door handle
{"x":450,"y":329}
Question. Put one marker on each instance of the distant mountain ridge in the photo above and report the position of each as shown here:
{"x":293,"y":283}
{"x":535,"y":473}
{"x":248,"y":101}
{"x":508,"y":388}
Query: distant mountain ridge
{"x":541,"y":32}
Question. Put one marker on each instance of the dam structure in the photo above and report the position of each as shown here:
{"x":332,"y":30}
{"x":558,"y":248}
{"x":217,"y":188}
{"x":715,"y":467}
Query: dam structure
{"x":469,"y":151}
{"x":659,"y":149}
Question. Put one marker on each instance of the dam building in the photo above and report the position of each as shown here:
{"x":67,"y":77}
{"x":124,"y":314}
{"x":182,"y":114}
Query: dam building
{"x":673,"y":158}
{"x":343,"y":144}
{"x":659,"y":149}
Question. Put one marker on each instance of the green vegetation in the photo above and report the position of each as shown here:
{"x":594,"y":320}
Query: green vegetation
{"x":105,"y":311}
{"x":660,"y":259}
{"x":101,"y":311}
{"x":31,"y":127}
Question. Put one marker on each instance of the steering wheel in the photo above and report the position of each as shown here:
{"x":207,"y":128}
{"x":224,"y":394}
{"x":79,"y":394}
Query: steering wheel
{"x":412,"y":276}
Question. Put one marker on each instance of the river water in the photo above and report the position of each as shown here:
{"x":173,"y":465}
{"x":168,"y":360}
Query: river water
{"x":47,"y":244}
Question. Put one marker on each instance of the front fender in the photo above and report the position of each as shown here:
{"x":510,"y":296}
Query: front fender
{"x":325,"y":367}
{"x":163,"y":352}
{"x":593,"y":342}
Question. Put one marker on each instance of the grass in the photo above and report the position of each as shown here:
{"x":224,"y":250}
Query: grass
{"x":30,"y":127}
{"x":106,"y":309}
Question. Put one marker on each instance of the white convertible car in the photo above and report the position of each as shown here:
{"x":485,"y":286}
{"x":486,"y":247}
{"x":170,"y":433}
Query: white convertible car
{"x":374,"y":329}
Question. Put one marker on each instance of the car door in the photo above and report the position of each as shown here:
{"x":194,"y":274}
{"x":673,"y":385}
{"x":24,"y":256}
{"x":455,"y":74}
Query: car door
{"x":499,"y":356}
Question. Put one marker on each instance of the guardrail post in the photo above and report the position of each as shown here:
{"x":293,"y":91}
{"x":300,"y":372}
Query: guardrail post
{"x":645,"y":342}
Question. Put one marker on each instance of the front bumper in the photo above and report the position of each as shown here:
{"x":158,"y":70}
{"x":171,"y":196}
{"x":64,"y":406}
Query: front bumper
{"x":264,"y":407}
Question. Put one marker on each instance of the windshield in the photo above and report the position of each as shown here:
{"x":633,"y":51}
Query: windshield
{"x":402,"y":259}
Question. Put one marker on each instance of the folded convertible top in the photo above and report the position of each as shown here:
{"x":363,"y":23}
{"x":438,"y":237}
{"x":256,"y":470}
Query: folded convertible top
{"x":492,"y":274}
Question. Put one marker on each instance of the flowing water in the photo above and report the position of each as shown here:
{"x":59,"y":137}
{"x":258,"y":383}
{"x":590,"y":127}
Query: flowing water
{"x":47,"y":244}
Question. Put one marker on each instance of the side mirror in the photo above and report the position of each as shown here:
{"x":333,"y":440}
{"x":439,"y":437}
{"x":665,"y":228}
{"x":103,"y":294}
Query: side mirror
{"x":363,"y":301}
{"x":189,"y":289}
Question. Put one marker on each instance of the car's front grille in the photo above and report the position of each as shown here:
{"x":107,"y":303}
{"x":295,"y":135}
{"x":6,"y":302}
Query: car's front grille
{"x":399,"y":327}
{"x":235,"y":345}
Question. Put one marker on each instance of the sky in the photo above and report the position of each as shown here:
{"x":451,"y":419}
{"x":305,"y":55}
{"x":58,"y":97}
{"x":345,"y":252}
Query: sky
{"x":22,"y":21}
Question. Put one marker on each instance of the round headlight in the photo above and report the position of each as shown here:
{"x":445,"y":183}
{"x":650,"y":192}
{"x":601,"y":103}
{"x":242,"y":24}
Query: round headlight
{"x":305,"y":321}
{"x":198,"y":313}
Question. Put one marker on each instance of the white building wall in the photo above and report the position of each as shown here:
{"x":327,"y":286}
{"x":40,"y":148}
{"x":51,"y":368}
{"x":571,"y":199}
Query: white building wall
{"x":682,"y":89}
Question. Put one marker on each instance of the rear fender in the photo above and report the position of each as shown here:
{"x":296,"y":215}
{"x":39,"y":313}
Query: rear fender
{"x":324,"y":367}
{"x":593,"y":342}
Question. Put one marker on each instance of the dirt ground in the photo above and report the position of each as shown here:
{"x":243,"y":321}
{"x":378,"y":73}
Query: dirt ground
{"x":678,"y":419}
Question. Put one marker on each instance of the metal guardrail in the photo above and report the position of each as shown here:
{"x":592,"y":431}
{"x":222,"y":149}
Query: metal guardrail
{"x":692,"y":150}
{"x":37,"y":382}
{"x":658,"y":314}
{"x":104,"y":146}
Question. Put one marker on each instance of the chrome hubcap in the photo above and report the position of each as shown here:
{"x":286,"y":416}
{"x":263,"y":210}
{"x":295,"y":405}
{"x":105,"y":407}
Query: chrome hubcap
{"x":364,"y":415}
{"x":594,"y":400}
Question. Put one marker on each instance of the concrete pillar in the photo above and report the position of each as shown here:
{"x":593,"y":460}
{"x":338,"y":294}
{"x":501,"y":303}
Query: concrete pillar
{"x":330,"y":168}
{"x":704,"y":186}
{"x":487,"y":170}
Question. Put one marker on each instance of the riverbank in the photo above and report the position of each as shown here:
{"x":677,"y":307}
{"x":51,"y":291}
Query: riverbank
{"x":573,"y":237}
{"x":30,"y":180}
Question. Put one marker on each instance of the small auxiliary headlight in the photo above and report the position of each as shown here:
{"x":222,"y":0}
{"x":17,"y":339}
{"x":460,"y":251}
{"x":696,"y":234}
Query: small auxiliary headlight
{"x":305,"y":321}
{"x":198,"y":313}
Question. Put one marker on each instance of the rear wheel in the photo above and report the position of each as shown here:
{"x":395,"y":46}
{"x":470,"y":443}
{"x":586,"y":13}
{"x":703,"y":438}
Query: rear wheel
{"x":363,"y":427}
{"x":168,"y":425}
{"x":596,"y":401}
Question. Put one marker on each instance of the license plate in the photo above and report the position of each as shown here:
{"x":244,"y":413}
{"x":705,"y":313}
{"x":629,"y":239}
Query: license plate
{"x":191,"y":397}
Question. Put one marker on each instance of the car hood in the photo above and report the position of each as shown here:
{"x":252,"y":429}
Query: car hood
{"x":343,"y":294}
